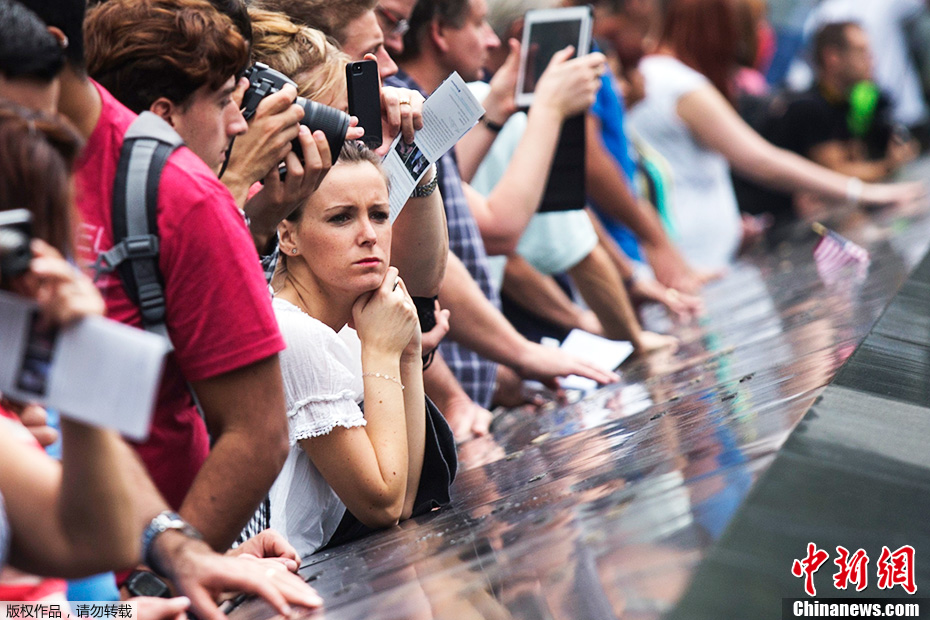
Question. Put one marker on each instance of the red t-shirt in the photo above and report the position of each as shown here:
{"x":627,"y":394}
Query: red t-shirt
{"x":218,"y":310}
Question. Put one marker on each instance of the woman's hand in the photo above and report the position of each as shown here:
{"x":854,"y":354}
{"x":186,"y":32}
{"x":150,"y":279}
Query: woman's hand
{"x":63,"y":293}
{"x":896,"y":195}
{"x":401,"y":112}
{"x":386,"y":319}
{"x":269,"y":544}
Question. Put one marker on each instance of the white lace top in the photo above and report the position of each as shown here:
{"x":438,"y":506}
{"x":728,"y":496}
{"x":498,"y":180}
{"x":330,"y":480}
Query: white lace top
{"x":321,"y":394}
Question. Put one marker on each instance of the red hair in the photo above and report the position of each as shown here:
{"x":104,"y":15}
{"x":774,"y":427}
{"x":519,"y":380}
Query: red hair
{"x":702,"y":34}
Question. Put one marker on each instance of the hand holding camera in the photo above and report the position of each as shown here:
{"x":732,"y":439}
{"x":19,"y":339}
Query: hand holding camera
{"x":272,"y":130}
{"x":265,"y":81}
{"x":34,"y":269}
{"x":63,"y":293}
{"x":400,"y":109}
{"x":276,"y":115}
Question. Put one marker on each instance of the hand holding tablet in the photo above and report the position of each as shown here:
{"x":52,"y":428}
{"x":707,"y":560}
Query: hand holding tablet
{"x":546,"y":32}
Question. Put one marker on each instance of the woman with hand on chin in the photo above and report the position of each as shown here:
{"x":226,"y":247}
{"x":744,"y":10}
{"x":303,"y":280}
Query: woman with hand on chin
{"x":346,"y":470}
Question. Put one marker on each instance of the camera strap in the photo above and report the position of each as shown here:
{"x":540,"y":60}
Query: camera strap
{"x":147,"y":144}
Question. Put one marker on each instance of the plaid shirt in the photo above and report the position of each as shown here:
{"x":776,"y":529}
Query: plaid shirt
{"x":476,"y":374}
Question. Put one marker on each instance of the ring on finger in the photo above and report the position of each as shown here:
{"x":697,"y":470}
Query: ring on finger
{"x":396,"y":282}
{"x":404,"y":102}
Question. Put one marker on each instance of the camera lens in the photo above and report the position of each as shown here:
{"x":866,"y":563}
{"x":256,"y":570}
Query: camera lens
{"x":332,"y":122}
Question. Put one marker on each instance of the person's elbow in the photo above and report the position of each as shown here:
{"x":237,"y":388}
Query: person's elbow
{"x":500,"y":242}
{"x":278,"y":445}
{"x":381,"y":513}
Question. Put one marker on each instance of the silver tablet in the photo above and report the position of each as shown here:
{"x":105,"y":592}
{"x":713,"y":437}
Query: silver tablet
{"x":546,"y":31}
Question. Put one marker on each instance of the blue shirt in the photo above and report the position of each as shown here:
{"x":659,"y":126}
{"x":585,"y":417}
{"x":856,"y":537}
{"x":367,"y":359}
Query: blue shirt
{"x":608,"y":107}
{"x":476,"y":374}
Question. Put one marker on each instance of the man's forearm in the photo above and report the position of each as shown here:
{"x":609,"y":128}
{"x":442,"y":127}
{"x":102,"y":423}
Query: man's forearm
{"x":229,"y":488}
{"x":441,"y":385}
{"x":516,"y":197}
{"x":481,"y":327}
{"x":245,"y":413}
{"x":420,"y":243}
{"x":539,"y":294}
{"x":607,"y":186}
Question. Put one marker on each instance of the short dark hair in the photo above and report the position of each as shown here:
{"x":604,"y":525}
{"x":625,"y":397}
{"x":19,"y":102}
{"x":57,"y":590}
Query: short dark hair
{"x":141,"y":50}
{"x":449,"y":12}
{"x":329,"y":16}
{"x":37,"y":155}
{"x":67,"y":16}
{"x":27,"y":48}
{"x":831,"y":36}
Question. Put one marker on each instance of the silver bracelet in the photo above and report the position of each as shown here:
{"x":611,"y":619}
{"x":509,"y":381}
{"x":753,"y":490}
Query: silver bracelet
{"x":378,"y":375}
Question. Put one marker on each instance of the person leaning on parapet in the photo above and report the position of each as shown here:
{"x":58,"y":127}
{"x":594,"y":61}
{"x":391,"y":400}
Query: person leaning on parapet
{"x":354,"y":25}
{"x":218,"y":311}
{"x":688,"y":90}
{"x":92,"y":511}
{"x":509,"y":161}
{"x":357,"y":28}
{"x":320,"y":275}
{"x":843,"y":122}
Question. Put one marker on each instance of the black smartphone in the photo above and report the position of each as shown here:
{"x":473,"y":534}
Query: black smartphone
{"x":364,"y":91}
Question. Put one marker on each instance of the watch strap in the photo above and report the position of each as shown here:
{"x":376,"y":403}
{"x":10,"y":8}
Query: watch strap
{"x":491,"y":125}
{"x":161,"y":523}
{"x":422,"y":191}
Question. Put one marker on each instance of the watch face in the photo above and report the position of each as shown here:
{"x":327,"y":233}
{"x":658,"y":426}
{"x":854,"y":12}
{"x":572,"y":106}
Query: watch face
{"x":144,"y":583}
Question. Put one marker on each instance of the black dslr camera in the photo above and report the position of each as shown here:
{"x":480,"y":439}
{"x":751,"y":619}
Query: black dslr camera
{"x":15,"y":237}
{"x":263,"y":81}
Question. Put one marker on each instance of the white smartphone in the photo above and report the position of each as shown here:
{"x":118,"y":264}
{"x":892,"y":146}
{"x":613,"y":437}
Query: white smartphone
{"x":546,"y":31}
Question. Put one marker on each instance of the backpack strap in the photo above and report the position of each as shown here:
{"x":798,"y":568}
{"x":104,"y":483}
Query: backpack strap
{"x":147,"y":144}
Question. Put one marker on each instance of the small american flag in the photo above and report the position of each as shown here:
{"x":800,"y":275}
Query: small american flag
{"x":834,"y":253}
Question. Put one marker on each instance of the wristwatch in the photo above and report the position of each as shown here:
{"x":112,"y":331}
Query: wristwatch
{"x":491,"y":125}
{"x":164,"y":521}
{"x":147,"y":583}
{"x":422,"y":191}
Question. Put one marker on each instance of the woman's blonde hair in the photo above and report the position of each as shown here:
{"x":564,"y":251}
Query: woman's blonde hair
{"x":305,"y":55}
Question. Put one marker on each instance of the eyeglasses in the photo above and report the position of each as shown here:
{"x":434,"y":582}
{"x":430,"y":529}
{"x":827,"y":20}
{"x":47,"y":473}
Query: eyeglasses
{"x":396,"y":26}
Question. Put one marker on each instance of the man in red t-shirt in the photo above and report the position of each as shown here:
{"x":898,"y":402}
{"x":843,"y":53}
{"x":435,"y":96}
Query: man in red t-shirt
{"x":218,"y":311}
